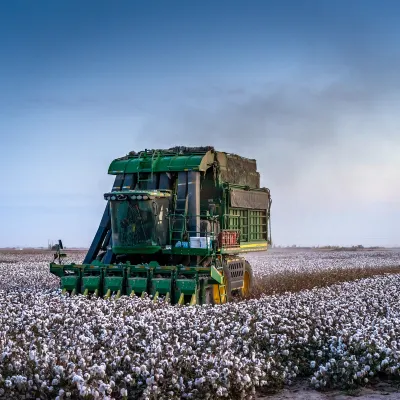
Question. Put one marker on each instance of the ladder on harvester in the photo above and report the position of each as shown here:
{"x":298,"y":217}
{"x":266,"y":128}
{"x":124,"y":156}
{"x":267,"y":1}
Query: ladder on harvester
{"x":143,"y":160}
{"x":178,"y":227}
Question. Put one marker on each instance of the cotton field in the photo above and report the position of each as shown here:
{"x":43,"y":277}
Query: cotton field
{"x":299,"y":261}
{"x":54,"y":346}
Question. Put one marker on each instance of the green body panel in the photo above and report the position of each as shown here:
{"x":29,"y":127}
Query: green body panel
{"x":186,"y":286}
{"x":188,"y":251}
{"x":161,"y":285}
{"x":136,"y":250}
{"x":113,"y":283}
{"x":91,"y":283}
{"x":164,"y":163}
{"x":61,"y":270}
{"x":117,"y":167}
{"x":138,"y":285}
{"x":217,"y":276}
{"x":70,"y":282}
{"x":57,"y":271}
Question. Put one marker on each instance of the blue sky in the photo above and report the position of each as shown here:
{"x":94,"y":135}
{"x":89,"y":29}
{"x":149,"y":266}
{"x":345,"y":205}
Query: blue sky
{"x":309,"y":88}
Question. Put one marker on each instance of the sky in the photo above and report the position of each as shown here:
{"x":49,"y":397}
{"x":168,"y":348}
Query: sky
{"x":310,"y":89}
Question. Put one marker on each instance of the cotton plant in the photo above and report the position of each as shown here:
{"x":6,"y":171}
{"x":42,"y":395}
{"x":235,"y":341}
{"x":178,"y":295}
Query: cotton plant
{"x":61,"y":347}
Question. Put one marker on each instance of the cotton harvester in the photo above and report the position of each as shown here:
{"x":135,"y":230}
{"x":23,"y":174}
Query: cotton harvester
{"x":175,"y":224}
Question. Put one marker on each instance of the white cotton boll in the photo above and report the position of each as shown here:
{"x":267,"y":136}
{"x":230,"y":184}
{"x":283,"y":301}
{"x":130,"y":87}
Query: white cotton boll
{"x":313,"y":380}
{"x":77,"y":379}
{"x":149,"y":381}
{"x":245,"y":330}
{"x":199,"y":381}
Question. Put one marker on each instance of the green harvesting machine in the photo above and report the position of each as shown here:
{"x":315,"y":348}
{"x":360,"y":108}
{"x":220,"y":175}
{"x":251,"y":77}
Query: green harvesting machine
{"x":174,"y":227}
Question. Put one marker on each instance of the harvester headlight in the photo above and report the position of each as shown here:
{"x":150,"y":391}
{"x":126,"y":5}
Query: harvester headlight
{"x":113,"y":197}
{"x":133,"y":197}
{"x":139,"y":197}
{"x":145,"y":197}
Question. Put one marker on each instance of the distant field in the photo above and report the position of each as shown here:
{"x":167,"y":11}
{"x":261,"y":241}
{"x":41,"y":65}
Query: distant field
{"x":342,"y":335}
{"x":294,"y":270}
{"x":38,"y":251}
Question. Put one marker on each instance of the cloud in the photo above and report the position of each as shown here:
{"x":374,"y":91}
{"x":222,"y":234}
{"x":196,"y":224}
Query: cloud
{"x":284,"y":126}
{"x":324,"y":137}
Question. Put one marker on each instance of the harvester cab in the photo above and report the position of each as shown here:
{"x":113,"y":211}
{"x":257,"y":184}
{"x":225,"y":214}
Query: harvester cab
{"x":175,"y":225}
{"x":139,"y":222}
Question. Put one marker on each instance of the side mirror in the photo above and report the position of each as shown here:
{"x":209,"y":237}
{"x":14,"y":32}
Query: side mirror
{"x":58,"y":254}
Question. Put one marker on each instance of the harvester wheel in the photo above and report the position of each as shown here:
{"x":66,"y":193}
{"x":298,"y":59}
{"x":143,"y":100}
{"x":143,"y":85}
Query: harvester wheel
{"x":217,"y":294}
{"x":248,"y":279}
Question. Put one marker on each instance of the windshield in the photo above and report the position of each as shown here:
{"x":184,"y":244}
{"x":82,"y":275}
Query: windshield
{"x":139,"y":222}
